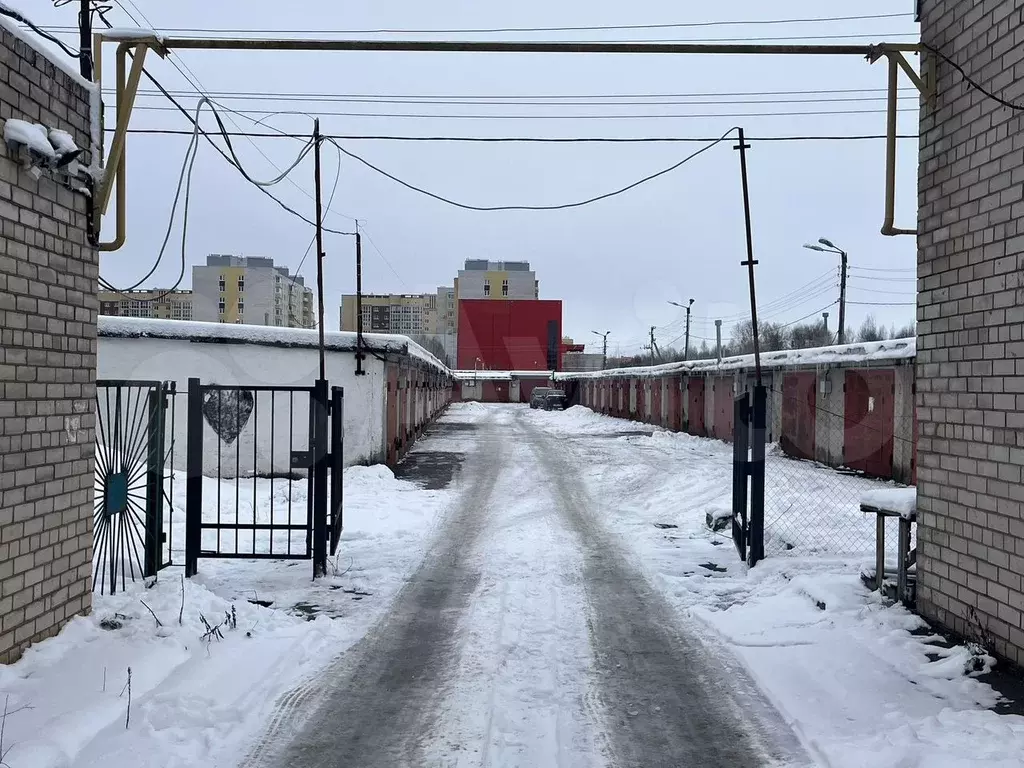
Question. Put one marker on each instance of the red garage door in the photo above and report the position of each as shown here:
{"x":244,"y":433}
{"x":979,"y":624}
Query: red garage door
{"x":868,"y":422}
{"x":799,"y":411}
{"x":723,"y":408}
{"x":695,"y":407}
{"x":675,"y":405}
{"x":655,"y":402}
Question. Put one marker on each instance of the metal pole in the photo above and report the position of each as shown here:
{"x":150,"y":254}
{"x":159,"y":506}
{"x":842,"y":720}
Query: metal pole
{"x":686,"y":344}
{"x":750,"y":262}
{"x":193,"y":478}
{"x":824,"y":317}
{"x":604,"y":354}
{"x":359,"y":303}
{"x":718,"y":338}
{"x":320,"y":439}
{"x":85,"y":39}
{"x":652,"y":345}
{"x":319,"y":247}
{"x":842,"y":297}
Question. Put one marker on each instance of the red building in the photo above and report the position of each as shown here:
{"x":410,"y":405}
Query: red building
{"x":510,"y":335}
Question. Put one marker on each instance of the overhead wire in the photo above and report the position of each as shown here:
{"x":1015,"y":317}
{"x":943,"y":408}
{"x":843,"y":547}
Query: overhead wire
{"x":512,"y":30}
{"x":6,"y":10}
{"x":558,"y":207}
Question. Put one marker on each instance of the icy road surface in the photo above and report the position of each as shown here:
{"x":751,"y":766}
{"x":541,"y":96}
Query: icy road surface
{"x":529,"y":636}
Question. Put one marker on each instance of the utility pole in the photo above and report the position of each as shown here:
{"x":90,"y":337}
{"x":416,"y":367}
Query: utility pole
{"x":319,"y":247}
{"x":604,"y":348}
{"x":718,"y":338}
{"x":842,"y":297}
{"x":359,"y":303}
{"x":686,"y":345}
{"x":652,"y":344}
{"x":85,"y":39}
{"x":750,"y":262}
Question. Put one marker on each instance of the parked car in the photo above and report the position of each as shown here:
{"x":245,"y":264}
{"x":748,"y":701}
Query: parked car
{"x":554,"y":400}
{"x":537,"y":396}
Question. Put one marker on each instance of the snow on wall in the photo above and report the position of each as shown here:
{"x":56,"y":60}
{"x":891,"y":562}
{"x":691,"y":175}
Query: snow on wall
{"x":155,"y":350}
{"x":52,"y":54}
{"x":873,"y":351}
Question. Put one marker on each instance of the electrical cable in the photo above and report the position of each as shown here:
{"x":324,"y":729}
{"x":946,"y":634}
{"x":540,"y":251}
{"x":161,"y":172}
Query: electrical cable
{"x":509,"y":30}
{"x":970,"y":81}
{"x":6,"y":10}
{"x":638,"y":116}
{"x":559,"y":207}
{"x":518,"y":139}
{"x":882,"y":303}
{"x":878,"y":269}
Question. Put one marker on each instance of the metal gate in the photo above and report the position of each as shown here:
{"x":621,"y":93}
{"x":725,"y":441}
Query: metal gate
{"x":131,"y":534}
{"x":259,"y":461}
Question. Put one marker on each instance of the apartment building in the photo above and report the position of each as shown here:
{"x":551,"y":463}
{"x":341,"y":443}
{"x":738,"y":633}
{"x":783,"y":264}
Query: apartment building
{"x":408,"y":314}
{"x":155,"y":302}
{"x":483,"y":279}
{"x":251,"y":290}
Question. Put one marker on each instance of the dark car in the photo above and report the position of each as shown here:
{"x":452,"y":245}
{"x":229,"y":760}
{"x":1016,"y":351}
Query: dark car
{"x":537,"y":396}
{"x":554,"y":400}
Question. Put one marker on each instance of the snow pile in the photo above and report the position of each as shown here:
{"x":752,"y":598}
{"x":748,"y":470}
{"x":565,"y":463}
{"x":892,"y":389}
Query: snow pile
{"x":901,"y":500}
{"x":579,"y":419}
{"x":129,"y":34}
{"x":32,"y":135}
{"x":194,"y":695}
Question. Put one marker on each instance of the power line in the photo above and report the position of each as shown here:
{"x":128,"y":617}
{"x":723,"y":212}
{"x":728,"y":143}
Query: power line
{"x":9,"y":12}
{"x":558,"y":207}
{"x":499,"y":30}
{"x":883,"y":303}
{"x":971,"y":82}
{"x":879,"y":269}
{"x":517,"y":139}
{"x":639,"y":116}
{"x":812,"y":314}
{"x":323,"y":96}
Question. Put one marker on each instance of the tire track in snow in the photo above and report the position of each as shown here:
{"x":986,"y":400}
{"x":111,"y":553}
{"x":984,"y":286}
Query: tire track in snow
{"x":666,"y":699}
{"x":372,"y":707}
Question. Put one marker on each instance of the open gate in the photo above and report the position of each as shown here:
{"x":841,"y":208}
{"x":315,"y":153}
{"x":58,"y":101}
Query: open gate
{"x":131,"y":534}
{"x":264,"y":465}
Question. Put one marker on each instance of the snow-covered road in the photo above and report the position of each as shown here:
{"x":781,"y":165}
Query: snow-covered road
{"x":529,"y":636}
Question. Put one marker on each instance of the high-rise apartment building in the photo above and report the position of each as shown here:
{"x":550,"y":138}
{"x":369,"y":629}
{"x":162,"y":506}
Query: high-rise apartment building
{"x":158,"y":303}
{"x":250,"y":290}
{"x":408,"y":314}
{"x":483,"y":279}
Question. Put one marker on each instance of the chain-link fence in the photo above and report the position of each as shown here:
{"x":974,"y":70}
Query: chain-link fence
{"x":836,"y":434}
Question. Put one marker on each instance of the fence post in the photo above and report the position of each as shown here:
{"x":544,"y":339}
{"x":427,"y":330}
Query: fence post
{"x":337,"y":463}
{"x":740,"y":472}
{"x":193,"y":478}
{"x":320,"y":445}
{"x":755,"y":551}
{"x":156,"y":404}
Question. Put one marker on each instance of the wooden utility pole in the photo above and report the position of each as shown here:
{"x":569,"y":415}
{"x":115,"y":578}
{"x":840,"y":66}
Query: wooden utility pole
{"x":359,"y":303}
{"x":750,"y":263}
{"x":319,"y":248}
{"x":652,"y":345}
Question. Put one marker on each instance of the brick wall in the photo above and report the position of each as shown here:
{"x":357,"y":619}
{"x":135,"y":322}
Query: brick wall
{"x":48,"y":307}
{"x":970,"y":359}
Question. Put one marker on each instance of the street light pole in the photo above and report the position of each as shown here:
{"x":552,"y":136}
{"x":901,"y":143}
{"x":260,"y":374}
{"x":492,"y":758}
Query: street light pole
{"x":604,"y":348}
{"x":686,"y":347}
{"x":827,"y":246}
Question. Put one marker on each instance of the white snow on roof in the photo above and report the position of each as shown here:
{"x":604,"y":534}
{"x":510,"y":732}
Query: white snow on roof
{"x":55,"y":55}
{"x":499,"y":375}
{"x":865,"y":352}
{"x":901,"y":500}
{"x":31,"y":135}
{"x":135,"y":327}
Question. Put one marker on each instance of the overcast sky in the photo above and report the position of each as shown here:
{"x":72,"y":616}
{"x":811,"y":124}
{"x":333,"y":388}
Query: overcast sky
{"x":615,"y":264}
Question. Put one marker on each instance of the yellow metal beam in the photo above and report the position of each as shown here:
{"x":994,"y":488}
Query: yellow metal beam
{"x":126,"y":92}
{"x":888,"y":224}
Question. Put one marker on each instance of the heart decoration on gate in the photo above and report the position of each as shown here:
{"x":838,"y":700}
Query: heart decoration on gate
{"x":227,"y":411}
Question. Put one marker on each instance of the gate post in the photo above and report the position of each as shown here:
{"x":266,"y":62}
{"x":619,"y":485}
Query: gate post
{"x":156,"y":408}
{"x":337,"y":463}
{"x":319,"y":440}
{"x":757,"y":436}
{"x":740,"y":472}
{"x":193,"y":478}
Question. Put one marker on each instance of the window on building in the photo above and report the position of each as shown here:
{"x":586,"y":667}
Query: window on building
{"x":221,"y":306}
{"x":504,"y":287}
{"x":241,"y":306}
{"x":241,"y":284}
{"x":487,"y":287}
{"x":221,"y":285}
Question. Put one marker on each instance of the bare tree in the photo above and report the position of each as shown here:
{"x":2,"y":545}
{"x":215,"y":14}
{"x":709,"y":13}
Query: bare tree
{"x":810,"y":335}
{"x":908,"y":331}
{"x":772,"y":336}
{"x":870,"y":330}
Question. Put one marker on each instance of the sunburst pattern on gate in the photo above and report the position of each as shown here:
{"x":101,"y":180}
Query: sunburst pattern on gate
{"x":128,"y":520}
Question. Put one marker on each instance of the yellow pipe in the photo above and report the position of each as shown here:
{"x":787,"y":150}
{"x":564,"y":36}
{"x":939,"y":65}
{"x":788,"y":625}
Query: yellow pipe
{"x":890,"y":152}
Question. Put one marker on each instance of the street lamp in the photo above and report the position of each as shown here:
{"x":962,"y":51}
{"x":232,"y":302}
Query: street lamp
{"x":827,"y":246}
{"x":686,"y":347}
{"x":604,"y":349}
